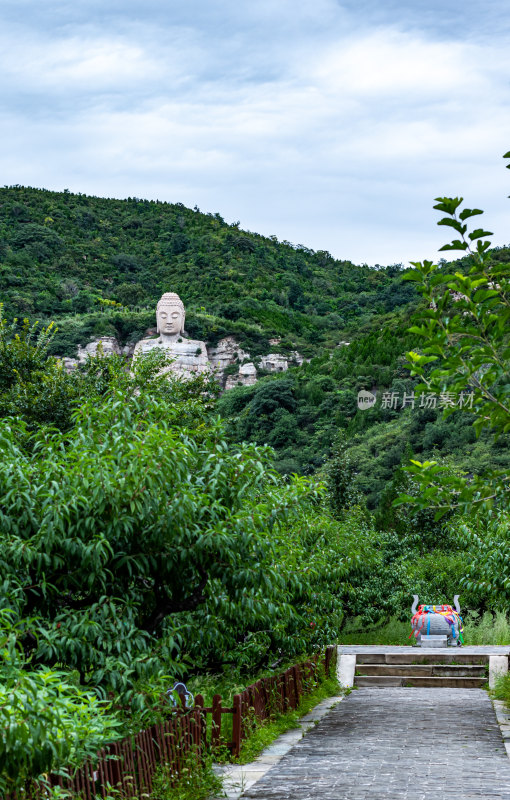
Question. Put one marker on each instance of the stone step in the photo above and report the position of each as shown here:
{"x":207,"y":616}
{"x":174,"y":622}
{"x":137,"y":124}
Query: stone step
{"x":424,"y":670}
{"x":417,"y":656}
{"x":382,"y":681}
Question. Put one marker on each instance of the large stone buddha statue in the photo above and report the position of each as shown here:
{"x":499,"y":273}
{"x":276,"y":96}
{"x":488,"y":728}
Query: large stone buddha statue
{"x":190,"y":355}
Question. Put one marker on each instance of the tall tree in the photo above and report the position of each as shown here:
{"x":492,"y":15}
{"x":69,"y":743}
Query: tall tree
{"x":465,"y":328}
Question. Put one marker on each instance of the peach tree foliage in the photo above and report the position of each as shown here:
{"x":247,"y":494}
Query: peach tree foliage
{"x":488,"y":570}
{"x":23,"y":350}
{"x":320,"y":560}
{"x":47,"y":723}
{"x":139,"y":514}
{"x":465,"y":329}
{"x":32,"y":385}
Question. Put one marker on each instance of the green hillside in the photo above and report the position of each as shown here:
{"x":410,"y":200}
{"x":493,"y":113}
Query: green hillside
{"x":302,"y":414}
{"x":61,"y":254}
{"x":98,"y":266}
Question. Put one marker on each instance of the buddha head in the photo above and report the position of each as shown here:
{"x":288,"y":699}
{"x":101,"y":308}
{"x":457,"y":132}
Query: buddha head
{"x":170,"y":315}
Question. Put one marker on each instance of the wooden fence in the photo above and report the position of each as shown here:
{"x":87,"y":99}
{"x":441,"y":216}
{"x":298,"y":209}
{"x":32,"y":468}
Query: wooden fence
{"x":129,"y":765}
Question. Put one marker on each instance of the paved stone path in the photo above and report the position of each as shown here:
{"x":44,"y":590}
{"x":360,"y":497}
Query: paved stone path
{"x":396,"y":744}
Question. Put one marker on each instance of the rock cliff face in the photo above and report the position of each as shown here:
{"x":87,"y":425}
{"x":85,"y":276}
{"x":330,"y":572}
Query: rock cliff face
{"x":109,"y":344}
{"x":232,"y":365}
{"x":225,"y":354}
{"x":246,"y":376}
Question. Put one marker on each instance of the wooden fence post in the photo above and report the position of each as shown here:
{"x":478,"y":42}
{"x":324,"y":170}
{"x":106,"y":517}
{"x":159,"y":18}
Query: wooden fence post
{"x":289,"y":694}
{"x":216,"y":722}
{"x":129,"y":781}
{"x":268,"y":699}
{"x":236,"y":725}
{"x":259,"y":701}
{"x":109,"y":770}
{"x":285,"y":687}
{"x":296,"y":671}
{"x":200,"y":730}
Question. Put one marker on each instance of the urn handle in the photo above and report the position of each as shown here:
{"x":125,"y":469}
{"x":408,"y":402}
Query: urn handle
{"x":456,"y":603}
{"x":415,"y":604}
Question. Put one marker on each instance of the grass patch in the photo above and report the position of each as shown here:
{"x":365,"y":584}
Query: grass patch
{"x":486,"y":629}
{"x":197,"y":781}
{"x":393,"y":632}
{"x":226,"y":685}
{"x":501,"y":690}
{"x":265,"y":733}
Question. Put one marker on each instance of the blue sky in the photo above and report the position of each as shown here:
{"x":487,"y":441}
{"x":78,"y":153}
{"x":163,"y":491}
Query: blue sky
{"x":329,"y":124}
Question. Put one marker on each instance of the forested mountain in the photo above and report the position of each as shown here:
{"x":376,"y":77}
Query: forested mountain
{"x":302,"y":413}
{"x":98,"y":266}
{"x":64,"y":254}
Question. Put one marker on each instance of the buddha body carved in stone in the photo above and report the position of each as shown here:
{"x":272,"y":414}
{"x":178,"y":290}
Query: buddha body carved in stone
{"x":190,"y":355}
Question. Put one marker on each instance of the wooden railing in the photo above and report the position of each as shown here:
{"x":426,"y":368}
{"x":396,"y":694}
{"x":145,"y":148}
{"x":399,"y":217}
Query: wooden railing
{"x":129,"y":765}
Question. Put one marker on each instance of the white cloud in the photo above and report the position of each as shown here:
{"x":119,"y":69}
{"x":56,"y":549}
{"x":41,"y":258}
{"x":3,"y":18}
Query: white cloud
{"x":91,"y":63}
{"x":388,"y":62}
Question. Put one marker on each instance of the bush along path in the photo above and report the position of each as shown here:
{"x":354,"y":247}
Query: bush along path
{"x":168,"y":750}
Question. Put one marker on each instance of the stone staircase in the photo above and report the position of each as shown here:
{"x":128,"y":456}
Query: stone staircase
{"x":452,"y":669}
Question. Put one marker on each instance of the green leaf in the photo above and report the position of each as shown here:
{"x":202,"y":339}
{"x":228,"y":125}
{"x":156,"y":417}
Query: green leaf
{"x":448,"y":205}
{"x":455,"y":245}
{"x":469,"y":212}
{"x":453,"y":223}
{"x":478,"y":233}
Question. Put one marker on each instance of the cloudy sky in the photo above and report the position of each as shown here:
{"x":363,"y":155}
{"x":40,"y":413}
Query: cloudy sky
{"x":330,"y":124}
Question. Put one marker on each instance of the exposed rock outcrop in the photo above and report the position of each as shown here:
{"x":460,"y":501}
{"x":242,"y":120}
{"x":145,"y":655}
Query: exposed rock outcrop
{"x":225,"y":354}
{"x":276,"y":362}
{"x":109,"y":345}
{"x":247,"y":376}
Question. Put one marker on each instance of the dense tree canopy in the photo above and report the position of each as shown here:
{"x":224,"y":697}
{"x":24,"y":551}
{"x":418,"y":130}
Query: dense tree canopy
{"x":138,"y":513}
